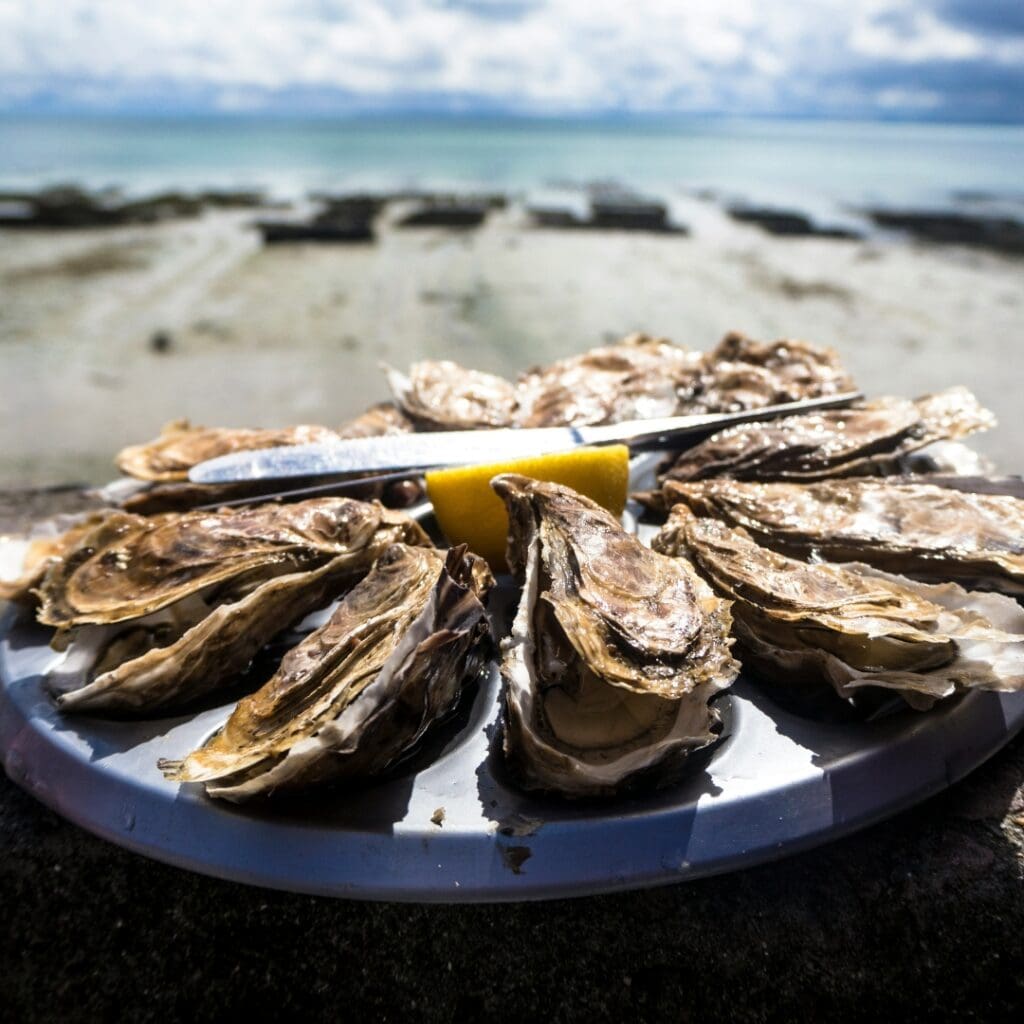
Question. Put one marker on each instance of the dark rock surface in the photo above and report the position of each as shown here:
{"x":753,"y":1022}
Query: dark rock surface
{"x":919,"y":918}
{"x":998,"y":234}
{"x":68,"y":206}
{"x":788,"y":223}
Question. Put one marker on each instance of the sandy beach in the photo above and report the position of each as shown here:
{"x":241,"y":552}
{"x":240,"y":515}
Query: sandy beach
{"x":295,"y":333}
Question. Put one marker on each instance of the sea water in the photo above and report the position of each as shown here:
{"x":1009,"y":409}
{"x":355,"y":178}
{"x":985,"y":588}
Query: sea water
{"x":801,"y":162}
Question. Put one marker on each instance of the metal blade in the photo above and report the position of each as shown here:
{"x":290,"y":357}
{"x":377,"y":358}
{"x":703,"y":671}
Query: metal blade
{"x":370,"y":454}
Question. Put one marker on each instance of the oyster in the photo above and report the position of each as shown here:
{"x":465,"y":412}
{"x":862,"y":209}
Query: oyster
{"x":354,"y":697}
{"x":154,"y":612}
{"x":181,"y":446}
{"x":640,"y":377}
{"x":917,"y":529}
{"x":740,"y":373}
{"x":867,"y":440}
{"x":445,"y":396}
{"x":382,"y":420}
{"x":179,"y":495}
{"x":41,"y":552}
{"x":615,"y":650}
{"x":852,"y":626}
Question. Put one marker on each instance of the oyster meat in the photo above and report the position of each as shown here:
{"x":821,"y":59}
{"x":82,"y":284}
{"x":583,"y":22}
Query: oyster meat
{"x":917,"y":529}
{"x":615,"y":651}
{"x":445,"y":396}
{"x":866,"y":440}
{"x":155,"y":612}
{"x":851,"y":626}
{"x":358,"y":693}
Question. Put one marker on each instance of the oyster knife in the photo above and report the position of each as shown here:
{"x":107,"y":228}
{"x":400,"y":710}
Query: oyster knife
{"x":466,"y":447}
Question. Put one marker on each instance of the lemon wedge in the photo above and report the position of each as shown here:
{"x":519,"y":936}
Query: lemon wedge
{"x":469,"y":512}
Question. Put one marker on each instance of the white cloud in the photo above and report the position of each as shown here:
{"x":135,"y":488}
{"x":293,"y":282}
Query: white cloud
{"x":521,"y":54}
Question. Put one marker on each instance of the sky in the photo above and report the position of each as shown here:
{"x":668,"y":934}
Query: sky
{"x":926,"y":59}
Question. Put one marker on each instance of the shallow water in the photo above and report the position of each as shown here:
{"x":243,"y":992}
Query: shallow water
{"x":809,"y":163}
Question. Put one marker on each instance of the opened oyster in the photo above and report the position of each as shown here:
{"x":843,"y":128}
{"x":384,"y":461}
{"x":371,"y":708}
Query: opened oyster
{"x":852,"y":626}
{"x":41,"y":552}
{"x":359,"y":692}
{"x":639,"y":377}
{"x":917,"y":529}
{"x":445,"y":396}
{"x":867,"y":440}
{"x":155,"y":612}
{"x":741,"y":373}
{"x":615,"y":651}
{"x":160,"y":468}
{"x":181,"y":446}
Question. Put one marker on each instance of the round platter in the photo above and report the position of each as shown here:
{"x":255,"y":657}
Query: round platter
{"x":451,"y":828}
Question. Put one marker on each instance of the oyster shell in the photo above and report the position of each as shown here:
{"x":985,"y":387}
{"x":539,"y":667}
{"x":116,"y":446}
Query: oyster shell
{"x":639,"y":377}
{"x":917,"y":529}
{"x":615,"y":650}
{"x":867,"y":440}
{"x":181,"y":446}
{"x":154,"y":612}
{"x":352,"y":698}
{"x":741,"y":373}
{"x":382,"y":420}
{"x":41,"y":552}
{"x":852,"y":626}
{"x":161,"y":467}
{"x":445,"y":396}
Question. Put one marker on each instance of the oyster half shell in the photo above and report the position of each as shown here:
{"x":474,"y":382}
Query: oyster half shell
{"x":867,"y":440}
{"x":615,"y":650}
{"x":358,"y":693}
{"x":639,"y":377}
{"x":181,"y":446}
{"x":154,"y":612}
{"x":852,"y":626}
{"x":916,"y":529}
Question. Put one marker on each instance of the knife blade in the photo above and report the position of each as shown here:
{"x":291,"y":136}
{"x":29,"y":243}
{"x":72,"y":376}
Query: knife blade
{"x":466,"y":447}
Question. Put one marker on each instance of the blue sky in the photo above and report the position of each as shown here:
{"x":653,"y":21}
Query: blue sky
{"x":931,"y":59}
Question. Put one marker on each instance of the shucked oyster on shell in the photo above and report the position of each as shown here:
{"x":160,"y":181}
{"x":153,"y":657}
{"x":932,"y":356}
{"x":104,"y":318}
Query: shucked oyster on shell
{"x":865,"y":440}
{"x":358,"y":693}
{"x":615,"y":651}
{"x":852,"y":626}
{"x":916,"y":529}
{"x":181,"y":446}
{"x":160,"y":468}
{"x":445,"y":396}
{"x":640,"y":377}
{"x":741,"y":373}
{"x":155,"y":612}
{"x":41,"y":551}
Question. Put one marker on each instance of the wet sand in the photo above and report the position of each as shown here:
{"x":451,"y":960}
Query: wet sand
{"x":266,"y":336}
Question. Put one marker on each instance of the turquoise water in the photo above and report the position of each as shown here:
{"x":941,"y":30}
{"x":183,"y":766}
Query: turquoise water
{"x":794,"y":161}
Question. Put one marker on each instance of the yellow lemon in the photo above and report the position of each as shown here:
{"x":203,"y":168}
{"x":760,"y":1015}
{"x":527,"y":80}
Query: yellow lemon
{"x":469,"y":512}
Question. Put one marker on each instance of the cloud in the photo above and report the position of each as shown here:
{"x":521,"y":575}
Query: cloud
{"x":953,"y":58}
